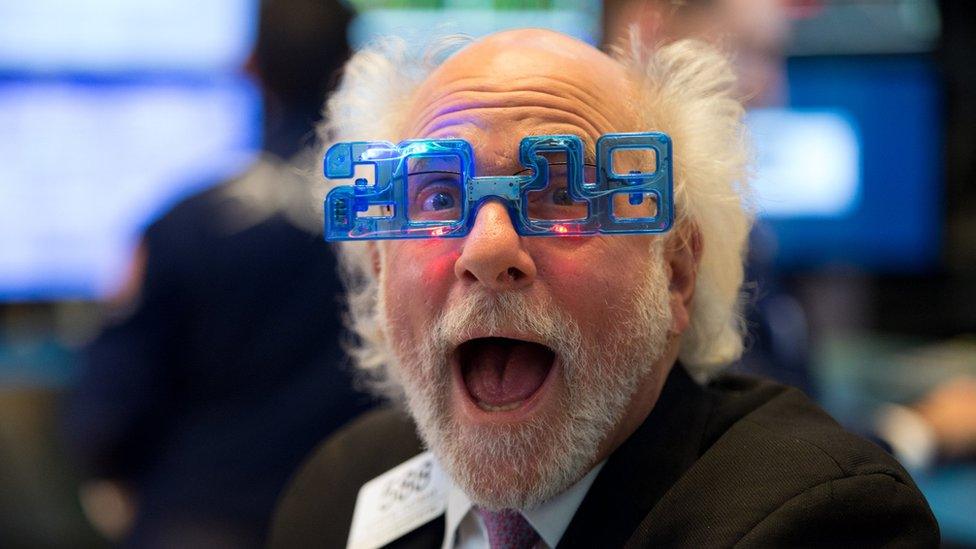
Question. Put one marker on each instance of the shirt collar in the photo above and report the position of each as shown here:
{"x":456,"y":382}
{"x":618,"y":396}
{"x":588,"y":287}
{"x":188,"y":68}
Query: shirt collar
{"x":550,"y":519}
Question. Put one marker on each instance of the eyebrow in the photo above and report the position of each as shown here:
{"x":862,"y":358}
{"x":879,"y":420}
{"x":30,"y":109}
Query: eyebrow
{"x":589,"y":147}
{"x":452,"y":164}
{"x":427,"y":164}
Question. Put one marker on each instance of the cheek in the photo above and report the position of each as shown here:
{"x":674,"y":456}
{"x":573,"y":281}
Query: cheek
{"x":595,"y":279}
{"x":418,"y":277}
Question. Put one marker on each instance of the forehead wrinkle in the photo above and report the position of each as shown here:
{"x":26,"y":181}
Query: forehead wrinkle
{"x":529,"y":83}
{"x":548,"y":128}
{"x":567,"y":95}
{"x":593,"y":120}
{"x":581,"y":93}
{"x":587,"y":129}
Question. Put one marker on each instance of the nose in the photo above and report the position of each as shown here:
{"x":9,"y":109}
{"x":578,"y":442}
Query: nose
{"x":492,"y":254}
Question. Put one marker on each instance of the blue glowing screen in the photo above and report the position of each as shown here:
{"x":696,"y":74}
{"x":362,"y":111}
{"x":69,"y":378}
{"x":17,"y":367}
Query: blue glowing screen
{"x":102,"y":36}
{"x":112,"y":110}
{"x":852,"y":173}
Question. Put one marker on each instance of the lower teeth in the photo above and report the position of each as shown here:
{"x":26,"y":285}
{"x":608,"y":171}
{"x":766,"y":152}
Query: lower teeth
{"x":503,"y":408}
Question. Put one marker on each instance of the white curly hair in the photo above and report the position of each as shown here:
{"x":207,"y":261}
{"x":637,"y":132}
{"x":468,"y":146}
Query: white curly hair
{"x":686,"y":89}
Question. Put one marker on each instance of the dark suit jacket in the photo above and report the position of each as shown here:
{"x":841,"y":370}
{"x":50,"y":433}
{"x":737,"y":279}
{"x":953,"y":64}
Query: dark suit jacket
{"x":740,"y":462}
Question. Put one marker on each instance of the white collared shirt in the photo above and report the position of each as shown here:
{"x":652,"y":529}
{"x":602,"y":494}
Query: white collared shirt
{"x":465,"y":529}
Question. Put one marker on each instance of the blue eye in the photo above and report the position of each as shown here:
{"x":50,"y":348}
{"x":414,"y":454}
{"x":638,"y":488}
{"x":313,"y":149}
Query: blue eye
{"x":438,"y":201}
{"x":435,"y":194}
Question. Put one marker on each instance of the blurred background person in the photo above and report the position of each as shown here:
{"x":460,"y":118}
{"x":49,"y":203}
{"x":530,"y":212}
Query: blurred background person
{"x":224,"y":367}
{"x":938,"y":428}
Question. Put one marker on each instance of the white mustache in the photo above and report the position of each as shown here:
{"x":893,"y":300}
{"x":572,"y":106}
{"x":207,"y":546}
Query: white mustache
{"x":513,"y":315}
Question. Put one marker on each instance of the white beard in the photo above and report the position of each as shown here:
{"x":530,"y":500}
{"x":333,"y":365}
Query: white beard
{"x":523,"y":465}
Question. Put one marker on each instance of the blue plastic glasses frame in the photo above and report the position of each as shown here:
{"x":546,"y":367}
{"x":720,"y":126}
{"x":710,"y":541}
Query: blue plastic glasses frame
{"x":350,"y":209}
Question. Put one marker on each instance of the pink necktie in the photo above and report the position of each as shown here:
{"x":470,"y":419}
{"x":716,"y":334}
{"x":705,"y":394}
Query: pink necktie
{"x":508,"y":529}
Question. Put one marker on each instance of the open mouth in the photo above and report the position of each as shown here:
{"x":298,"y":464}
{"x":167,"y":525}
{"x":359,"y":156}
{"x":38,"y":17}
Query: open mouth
{"x":502,"y":374}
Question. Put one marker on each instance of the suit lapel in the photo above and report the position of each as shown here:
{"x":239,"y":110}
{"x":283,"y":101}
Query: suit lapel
{"x":428,"y":536}
{"x":645,"y":466}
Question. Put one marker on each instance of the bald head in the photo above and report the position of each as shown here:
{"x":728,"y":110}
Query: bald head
{"x":530,"y":52}
{"x":523,"y":82}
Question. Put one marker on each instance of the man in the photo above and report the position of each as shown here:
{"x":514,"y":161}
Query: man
{"x":228,"y":368}
{"x":553,"y":379}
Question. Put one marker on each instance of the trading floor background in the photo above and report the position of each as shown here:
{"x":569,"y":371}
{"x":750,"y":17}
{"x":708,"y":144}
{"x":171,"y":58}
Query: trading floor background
{"x":863,"y":266}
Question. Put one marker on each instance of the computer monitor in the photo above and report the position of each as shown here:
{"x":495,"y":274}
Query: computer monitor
{"x":851,"y":173}
{"x":112,"y":111}
{"x":92,"y":163}
{"x":111,"y":36}
{"x":418,"y":18}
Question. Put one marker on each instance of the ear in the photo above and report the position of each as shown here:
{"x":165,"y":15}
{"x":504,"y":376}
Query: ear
{"x":682,"y":253}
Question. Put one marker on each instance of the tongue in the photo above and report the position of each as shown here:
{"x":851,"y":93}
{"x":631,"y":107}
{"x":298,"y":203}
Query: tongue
{"x":502,"y":371}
